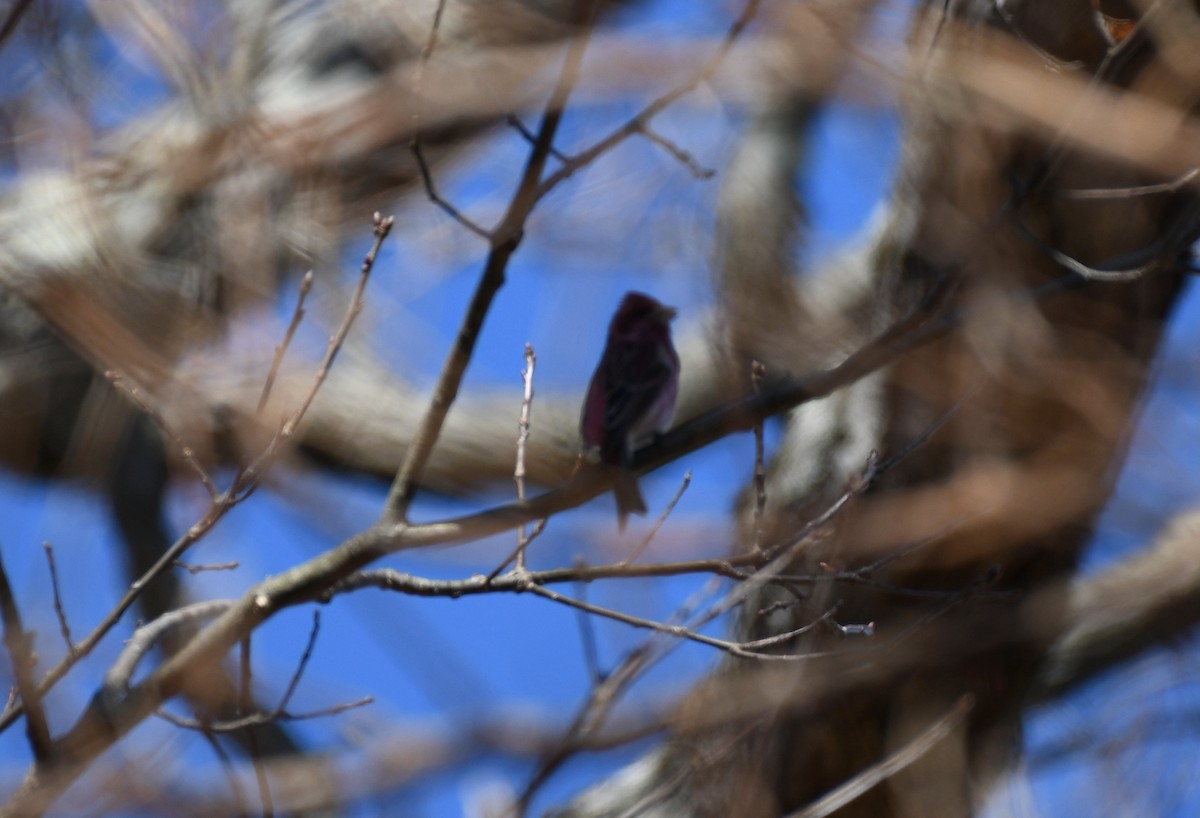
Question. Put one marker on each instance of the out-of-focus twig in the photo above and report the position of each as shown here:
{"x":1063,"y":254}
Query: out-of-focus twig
{"x":641,"y":121}
{"x":282,"y":347}
{"x":757,"y":371}
{"x":15,"y":13}
{"x":683,"y":157}
{"x":19,"y":645}
{"x":185,"y":451}
{"x":877,"y":773}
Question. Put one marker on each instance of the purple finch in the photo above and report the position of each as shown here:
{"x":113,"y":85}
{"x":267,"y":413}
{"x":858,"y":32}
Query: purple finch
{"x":632,"y":394}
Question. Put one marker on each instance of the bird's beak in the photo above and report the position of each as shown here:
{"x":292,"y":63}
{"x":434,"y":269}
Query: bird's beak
{"x":665,"y":314}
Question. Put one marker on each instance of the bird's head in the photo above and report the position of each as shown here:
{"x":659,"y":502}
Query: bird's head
{"x":638,"y":307}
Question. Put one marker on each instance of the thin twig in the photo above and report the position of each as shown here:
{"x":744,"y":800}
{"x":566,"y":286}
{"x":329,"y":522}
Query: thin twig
{"x":927,"y":433}
{"x":538,"y":528}
{"x":641,"y":121}
{"x":743,"y":650}
{"x":245,"y":676}
{"x":662,"y":518}
{"x":248,"y":721}
{"x":528,"y":582}
{"x":1120,"y":272}
{"x":85,"y":646}
{"x":248,"y":478}
{"x":390,"y":579}
{"x":258,"y":719}
{"x":740,"y":567}
{"x":587,"y":635}
{"x":260,"y":774}
{"x":59,"y":610}
{"x":212,"y":566}
{"x":227,"y":767}
{"x":282,"y":347}
{"x":516,"y":124}
{"x":872,"y":776}
{"x":855,"y":486}
{"x":757,"y":371}
{"x":696,"y":765}
{"x":308,"y":649}
{"x":436,"y":198}
{"x":423,"y":63}
{"x":522,"y":442}
{"x":587,"y":719}
{"x":781,"y":556}
{"x":1108,"y":193}
{"x":682,"y":156}
{"x":415,"y":144}
{"x":603,"y":697}
{"x":383,"y":226}
{"x":19,"y":645}
{"x":188,"y":454}
{"x":245,"y":697}
{"x":431,"y":40}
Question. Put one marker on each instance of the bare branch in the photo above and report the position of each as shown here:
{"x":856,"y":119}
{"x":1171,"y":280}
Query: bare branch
{"x":516,"y":124}
{"x":587,"y":634}
{"x":281,"y":349}
{"x":19,"y":645}
{"x":1129,"y":192}
{"x":59,"y":611}
{"x":258,"y":719}
{"x":245,"y":699}
{"x":743,"y":650}
{"x":383,"y":227}
{"x":279,"y":713}
{"x":243,"y":486}
{"x":435,"y":197}
{"x":308,"y":649}
{"x":189,"y":455}
{"x":431,"y":41}
{"x":89,"y":642}
{"x":390,"y":579}
{"x":116,"y":680}
{"x":640,"y":122}
{"x":227,"y":768}
{"x":504,"y":240}
{"x":15,"y":12}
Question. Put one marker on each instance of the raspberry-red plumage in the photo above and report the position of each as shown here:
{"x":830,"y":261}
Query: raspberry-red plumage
{"x":632,"y":393}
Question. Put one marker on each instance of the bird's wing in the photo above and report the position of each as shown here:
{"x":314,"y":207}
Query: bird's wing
{"x":635,"y":375}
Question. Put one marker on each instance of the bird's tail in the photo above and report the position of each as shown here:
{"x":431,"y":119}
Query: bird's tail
{"x":628,"y":496}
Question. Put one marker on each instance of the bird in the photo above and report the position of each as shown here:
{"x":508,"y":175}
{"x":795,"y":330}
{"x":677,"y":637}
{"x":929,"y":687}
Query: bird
{"x":631,"y":397}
